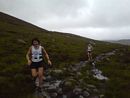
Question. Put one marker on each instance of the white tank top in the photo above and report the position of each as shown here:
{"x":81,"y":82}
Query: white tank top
{"x":37,"y":54}
{"x":89,"y":48}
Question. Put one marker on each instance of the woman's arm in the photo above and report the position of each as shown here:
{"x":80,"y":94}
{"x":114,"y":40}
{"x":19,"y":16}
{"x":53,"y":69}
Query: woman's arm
{"x":28,"y":56}
{"x":46,"y":56}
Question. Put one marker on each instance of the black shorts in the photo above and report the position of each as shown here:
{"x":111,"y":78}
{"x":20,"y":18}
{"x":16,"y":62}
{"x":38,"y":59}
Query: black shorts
{"x":36,"y":65}
{"x":89,"y":51}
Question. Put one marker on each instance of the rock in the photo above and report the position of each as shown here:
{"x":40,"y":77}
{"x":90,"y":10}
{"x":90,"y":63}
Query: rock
{"x":85,"y":94}
{"x":94,"y":96}
{"x":107,"y":59}
{"x":46,"y":85}
{"x":98,"y":74}
{"x":54,"y":95}
{"x":69,"y":84}
{"x":44,"y":94}
{"x":59,"y":91}
{"x":51,"y":89}
{"x":64,"y":96}
{"x":101,"y":96}
{"x":79,"y":74}
{"x":21,"y":41}
{"x":77,"y":91}
{"x":81,"y":96}
{"x":96,"y":71}
{"x":49,"y":78}
{"x":74,"y":69}
{"x":57,"y":73}
{"x":95,"y":90}
{"x":91,"y":86}
{"x":100,"y":77}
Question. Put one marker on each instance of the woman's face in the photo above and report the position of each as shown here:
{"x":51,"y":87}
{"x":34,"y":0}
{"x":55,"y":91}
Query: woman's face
{"x":35,"y":43}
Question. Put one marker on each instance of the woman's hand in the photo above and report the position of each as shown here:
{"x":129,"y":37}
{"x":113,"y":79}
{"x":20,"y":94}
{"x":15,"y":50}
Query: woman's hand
{"x":49,"y":62}
{"x":29,"y":62}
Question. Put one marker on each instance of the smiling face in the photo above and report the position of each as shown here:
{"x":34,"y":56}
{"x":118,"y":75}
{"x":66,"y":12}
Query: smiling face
{"x":35,"y":43}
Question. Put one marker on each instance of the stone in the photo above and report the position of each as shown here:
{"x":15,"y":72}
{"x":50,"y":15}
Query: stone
{"x":21,"y":41}
{"x":85,"y":94}
{"x":53,"y":95}
{"x":91,"y":86}
{"x":77,"y":91}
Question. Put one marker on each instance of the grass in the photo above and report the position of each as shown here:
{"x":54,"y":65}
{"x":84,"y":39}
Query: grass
{"x":63,"y":49}
{"x":117,"y":69}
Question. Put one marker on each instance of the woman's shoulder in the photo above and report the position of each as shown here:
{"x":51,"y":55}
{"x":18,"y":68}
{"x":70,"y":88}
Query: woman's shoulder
{"x":42,"y":47}
{"x":30,"y":47}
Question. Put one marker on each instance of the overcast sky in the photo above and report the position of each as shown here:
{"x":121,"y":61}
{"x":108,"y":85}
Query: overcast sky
{"x":96,"y":19}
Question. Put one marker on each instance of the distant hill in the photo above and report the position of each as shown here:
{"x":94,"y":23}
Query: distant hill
{"x":123,"y":41}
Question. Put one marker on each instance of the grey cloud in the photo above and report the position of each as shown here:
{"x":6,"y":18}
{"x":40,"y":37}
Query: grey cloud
{"x":99,"y":13}
{"x":45,"y":9}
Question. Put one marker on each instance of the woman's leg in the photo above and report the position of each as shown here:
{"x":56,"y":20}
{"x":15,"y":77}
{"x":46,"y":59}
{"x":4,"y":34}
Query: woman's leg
{"x":88,"y":56}
{"x":40,"y":75}
{"x":91,"y":56}
{"x":34,"y":74}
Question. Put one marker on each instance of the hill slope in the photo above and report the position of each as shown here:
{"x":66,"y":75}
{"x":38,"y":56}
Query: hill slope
{"x":123,"y":41}
{"x":15,"y":39}
{"x":13,"y":30}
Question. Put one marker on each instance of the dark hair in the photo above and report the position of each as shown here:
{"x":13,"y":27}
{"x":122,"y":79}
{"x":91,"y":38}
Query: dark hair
{"x":35,"y":39}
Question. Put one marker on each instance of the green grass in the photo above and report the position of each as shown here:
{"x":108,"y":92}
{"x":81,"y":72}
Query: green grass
{"x":62,"y":48}
{"x":117,"y":69}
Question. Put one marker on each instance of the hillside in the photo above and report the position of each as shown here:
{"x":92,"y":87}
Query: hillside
{"x":64,"y":50}
{"x":123,"y":41}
